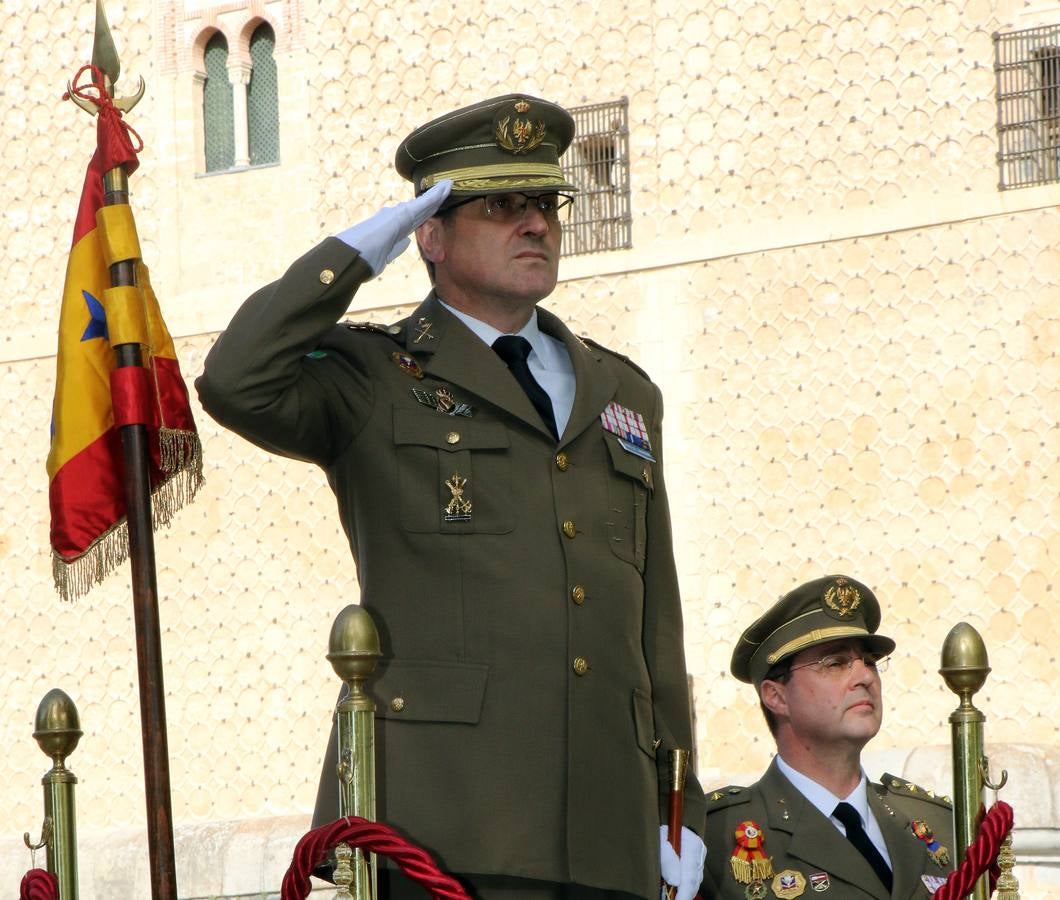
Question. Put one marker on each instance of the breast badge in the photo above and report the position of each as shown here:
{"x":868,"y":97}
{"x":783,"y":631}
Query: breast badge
{"x":936,"y":851}
{"x":442,"y":400}
{"x":749,"y":862}
{"x":458,"y":509}
{"x":407,"y":364}
{"x":788,"y":884}
{"x":819,"y":882}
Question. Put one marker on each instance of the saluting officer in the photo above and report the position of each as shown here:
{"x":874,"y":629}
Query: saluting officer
{"x":814,"y":822}
{"x":501,"y":484}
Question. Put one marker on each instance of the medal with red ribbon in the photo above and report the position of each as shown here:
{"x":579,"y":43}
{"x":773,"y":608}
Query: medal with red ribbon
{"x":926,"y":833}
{"x":749,"y":861}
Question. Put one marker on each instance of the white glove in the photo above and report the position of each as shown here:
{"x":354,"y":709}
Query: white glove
{"x":685,"y":873}
{"x":384,"y":237}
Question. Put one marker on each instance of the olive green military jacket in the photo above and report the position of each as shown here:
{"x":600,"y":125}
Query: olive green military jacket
{"x":525,"y":593}
{"x":814,"y":855}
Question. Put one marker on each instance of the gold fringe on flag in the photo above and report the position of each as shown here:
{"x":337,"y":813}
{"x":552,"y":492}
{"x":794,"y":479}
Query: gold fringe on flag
{"x":181,"y":453}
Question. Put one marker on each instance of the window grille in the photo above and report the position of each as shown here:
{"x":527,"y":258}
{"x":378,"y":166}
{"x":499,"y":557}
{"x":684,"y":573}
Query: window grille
{"x":263,"y":124}
{"x":217,"y":115}
{"x":598,"y":164}
{"x":1027,"y":64}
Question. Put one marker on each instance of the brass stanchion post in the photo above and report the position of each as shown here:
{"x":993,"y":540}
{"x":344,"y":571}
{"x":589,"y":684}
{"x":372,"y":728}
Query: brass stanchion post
{"x":57,"y":731}
{"x":354,"y":651}
{"x":964,"y":668}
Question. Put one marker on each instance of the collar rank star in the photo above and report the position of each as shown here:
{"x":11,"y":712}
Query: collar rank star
{"x":442,"y":400}
{"x":630,"y":428}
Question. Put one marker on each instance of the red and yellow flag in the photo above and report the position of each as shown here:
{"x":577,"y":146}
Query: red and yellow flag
{"x":93,"y":398}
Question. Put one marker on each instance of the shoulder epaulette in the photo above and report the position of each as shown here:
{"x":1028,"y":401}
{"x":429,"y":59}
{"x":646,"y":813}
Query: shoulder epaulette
{"x":593,"y":345}
{"x":904,"y":788}
{"x":723,"y":798}
{"x":378,"y":328}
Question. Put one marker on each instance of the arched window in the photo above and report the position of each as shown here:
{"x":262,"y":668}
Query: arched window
{"x":263,"y":125}
{"x":217,"y":116}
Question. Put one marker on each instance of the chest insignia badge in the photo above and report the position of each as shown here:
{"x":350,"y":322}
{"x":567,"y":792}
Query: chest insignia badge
{"x":407,"y":364}
{"x":630,"y":428}
{"x":789,"y":883}
{"x":936,"y":851}
{"x":458,"y":509}
{"x":442,"y":400}
{"x":819,"y":881}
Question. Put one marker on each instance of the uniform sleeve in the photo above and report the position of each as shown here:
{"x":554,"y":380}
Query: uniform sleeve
{"x":664,"y":641}
{"x":258,"y":380}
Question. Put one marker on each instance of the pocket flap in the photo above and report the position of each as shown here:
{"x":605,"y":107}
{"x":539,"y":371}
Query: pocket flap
{"x":629,"y":464}
{"x":422,"y":690}
{"x":427,"y":428}
{"x":644,"y":721}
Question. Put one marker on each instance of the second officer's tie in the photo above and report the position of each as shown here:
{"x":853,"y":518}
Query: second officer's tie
{"x":514,"y":350}
{"x":856,"y":835}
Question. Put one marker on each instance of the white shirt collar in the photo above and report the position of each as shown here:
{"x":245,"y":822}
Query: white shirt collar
{"x":824,"y":799}
{"x":487,"y":333}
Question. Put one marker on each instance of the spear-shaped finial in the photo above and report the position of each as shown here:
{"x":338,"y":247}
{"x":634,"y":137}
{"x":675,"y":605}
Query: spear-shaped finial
{"x":104,"y":53}
{"x":105,"y":59}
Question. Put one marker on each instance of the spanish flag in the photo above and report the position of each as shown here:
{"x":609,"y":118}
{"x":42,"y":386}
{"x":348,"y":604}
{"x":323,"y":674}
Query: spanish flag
{"x":94,"y":398}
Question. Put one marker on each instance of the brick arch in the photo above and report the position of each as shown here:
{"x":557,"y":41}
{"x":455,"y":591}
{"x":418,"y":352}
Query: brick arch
{"x":202,"y":38}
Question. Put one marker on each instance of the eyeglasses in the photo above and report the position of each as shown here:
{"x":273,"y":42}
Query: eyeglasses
{"x":508,"y":208}
{"x":836,"y":665}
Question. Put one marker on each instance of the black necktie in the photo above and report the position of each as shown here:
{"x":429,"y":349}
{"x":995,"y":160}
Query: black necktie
{"x":856,"y":835}
{"x":514,"y":350}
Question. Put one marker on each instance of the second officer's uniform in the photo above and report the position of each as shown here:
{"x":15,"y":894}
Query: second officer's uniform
{"x":769,"y":840}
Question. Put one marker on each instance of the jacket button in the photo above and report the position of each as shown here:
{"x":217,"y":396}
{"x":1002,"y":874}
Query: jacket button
{"x":577,"y":594}
{"x":568,"y":528}
{"x":453,"y":437}
{"x":327,"y":276}
{"x":562,"y":462}
{"x":397,"y":704}
{"x":580,"y":665}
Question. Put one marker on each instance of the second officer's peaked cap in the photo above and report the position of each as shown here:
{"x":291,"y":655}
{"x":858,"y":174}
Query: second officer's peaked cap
{"x":833,"y":608}
{"x":509,"y":143}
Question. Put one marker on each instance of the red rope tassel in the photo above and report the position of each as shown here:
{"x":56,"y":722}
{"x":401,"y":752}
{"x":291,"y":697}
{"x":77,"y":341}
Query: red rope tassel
{"x":39,"y":884}
{"x":981,"y":855}
{"x":373,"y":837}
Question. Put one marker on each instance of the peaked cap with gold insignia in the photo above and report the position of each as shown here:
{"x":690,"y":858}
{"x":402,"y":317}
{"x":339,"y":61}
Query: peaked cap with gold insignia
{"x":833,"y":608}
{"x":509,"y":143}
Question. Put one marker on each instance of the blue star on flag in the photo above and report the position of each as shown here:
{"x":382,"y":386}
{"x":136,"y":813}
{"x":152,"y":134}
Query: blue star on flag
{"x":97,"y":325}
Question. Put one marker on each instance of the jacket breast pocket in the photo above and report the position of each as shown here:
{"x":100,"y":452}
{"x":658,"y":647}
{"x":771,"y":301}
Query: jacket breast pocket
{"x":454,"y":474}
{"x":629,"y":488}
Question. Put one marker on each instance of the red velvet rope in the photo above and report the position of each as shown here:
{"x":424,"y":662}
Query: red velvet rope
{"x":981,"y":855}
{"x":374,"y":837}
{"x":39,"y":884}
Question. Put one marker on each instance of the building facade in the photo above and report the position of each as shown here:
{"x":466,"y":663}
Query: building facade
{"x":855,"y":330}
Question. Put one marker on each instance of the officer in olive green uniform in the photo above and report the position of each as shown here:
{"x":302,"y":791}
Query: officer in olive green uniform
{"x":523,"y":584}
{"x":813,"y":659}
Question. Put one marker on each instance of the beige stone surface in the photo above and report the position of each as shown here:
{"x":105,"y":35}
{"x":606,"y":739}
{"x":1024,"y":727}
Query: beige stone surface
{"x":856,"y":335}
